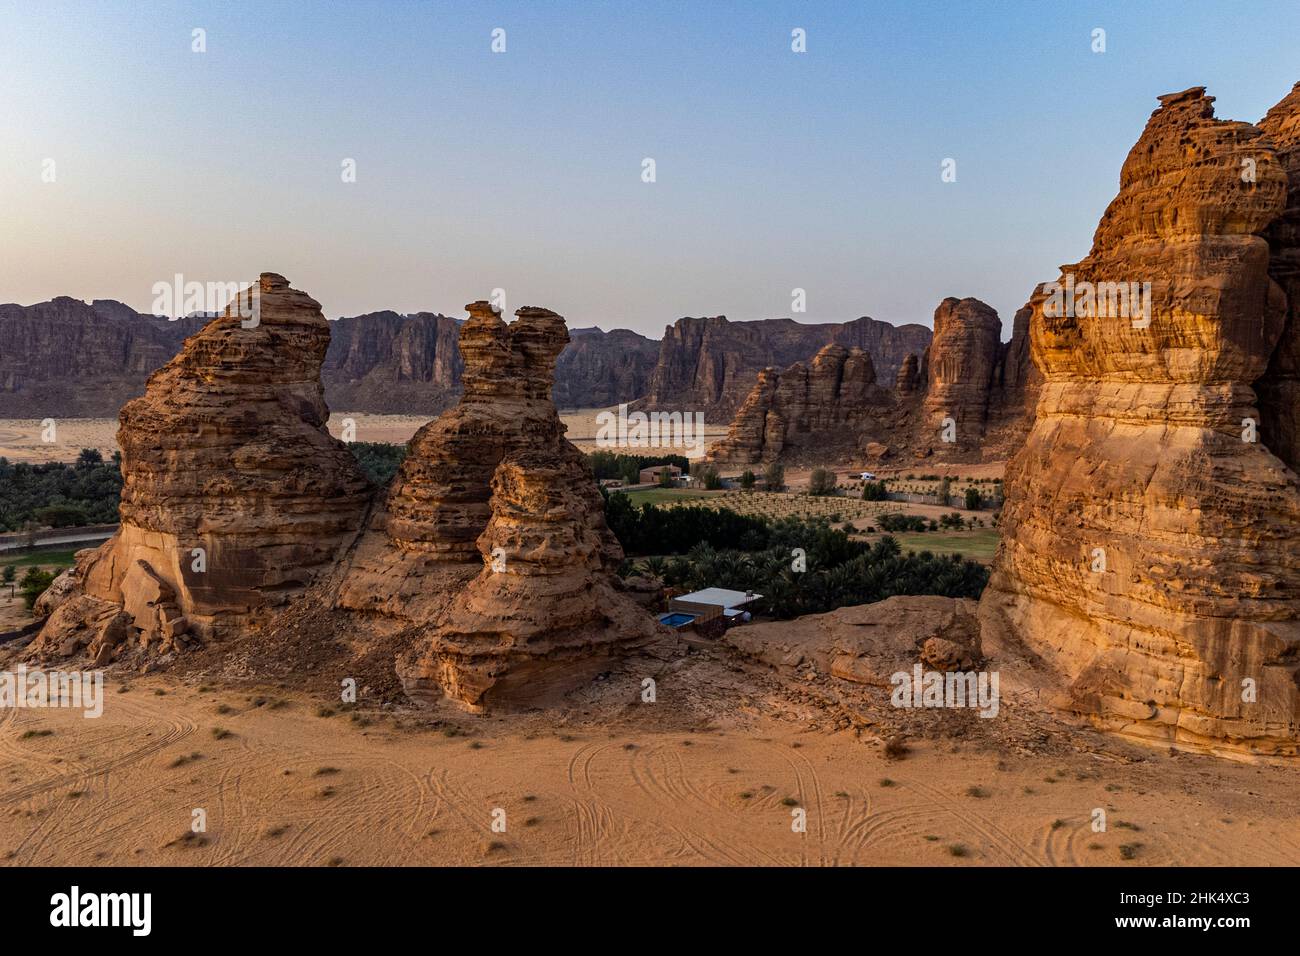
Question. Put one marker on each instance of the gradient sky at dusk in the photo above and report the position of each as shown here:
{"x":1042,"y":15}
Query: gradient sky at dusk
{"x":522,"y":170}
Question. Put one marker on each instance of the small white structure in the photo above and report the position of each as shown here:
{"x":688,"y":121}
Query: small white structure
{"x":715,"y":602}
{"x":867,"y":476}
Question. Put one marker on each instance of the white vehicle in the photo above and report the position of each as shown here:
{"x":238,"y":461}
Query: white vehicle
{"x":867,"y":476}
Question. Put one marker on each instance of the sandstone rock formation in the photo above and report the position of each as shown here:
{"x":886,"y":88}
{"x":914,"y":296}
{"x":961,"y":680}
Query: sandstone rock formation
{"x":488,"y":563}
{"x":1279,"y":389}
{"x":963,"y":355}
{"x":235,"y":496}
{"x":711,"y":365}
{"x":1148,"y":551}
{"x":966,"y":386}
{"x":908,"y":379}
{"x":815,"y":412}
{"x":492,"y":540}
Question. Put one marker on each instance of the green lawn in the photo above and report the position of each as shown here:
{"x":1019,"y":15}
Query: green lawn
{"x":45,"y":559}
{"x":978,"y":545}
{"x":659,"y":496}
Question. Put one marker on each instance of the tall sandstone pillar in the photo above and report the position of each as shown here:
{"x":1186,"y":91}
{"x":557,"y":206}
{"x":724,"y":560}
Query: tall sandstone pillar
{"x":1149,"y":538}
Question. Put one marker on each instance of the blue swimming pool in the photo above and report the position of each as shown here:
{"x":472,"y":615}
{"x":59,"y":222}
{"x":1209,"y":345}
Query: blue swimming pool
{"x":676,"y":619}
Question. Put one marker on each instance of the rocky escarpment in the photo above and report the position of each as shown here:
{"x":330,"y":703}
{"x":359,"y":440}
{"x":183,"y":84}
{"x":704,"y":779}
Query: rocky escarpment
{"x":491,"y":542}
{"x":598,"y":369}
{"x":711,"y":365}
{"x":235,"y":496}
{"x":814,"y":412}
{"x":1148,"y":535}
{"x":396,"y":364}
{"x":67,"y":359}
{"x":967,"y":397}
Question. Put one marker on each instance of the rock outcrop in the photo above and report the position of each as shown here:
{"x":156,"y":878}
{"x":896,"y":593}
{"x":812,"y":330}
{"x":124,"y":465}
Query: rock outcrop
{"x":815,"y":412}
{"x":487,"y":568}
{"x":492,"y":540}
{"x":1279,"y":389}
{"x":598,"y":369}
{"x":963,"y":356}
{"x":711,"y":364}
{"x":235,"y":496}
{"x":1148,"y":550}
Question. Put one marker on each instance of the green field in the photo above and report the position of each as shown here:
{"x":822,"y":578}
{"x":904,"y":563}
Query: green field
{"x":663,"y":496}
{"x":44,"y":559}
{"x":978,"y":545}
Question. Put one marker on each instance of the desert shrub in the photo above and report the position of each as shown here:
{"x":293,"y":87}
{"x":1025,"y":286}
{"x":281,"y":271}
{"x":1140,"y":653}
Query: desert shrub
{"x":747,"y":479}
{"x":874,"y":491}
{"x":379,"y":460}
{"x":774,"y":477}
{"x":821,"y":482}
{"x":892,"y":521}
{"x":33,"y":585}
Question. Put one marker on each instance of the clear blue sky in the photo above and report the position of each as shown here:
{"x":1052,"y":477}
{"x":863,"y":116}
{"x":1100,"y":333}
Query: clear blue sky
{"x":522,"y":170}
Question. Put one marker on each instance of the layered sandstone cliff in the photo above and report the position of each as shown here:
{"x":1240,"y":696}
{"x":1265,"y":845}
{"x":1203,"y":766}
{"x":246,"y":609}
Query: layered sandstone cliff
{"x":67,"y":359}
{"x":396,"y":364}
{"x":711,"y":364}
{"x":814,"y":412}
{"x":235,"y":496}
{"x":598,"y":369}
{"x":1148,"y":551}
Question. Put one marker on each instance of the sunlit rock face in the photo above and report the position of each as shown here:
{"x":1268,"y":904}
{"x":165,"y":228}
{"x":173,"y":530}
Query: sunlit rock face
{"x":1148,"y":551}
{"x":235,"y":496}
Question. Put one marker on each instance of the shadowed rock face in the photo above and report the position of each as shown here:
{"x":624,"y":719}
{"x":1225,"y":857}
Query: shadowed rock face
{"x":1148,"y":551}
{"x":227,"y":452}
{"x":1279,"y":389}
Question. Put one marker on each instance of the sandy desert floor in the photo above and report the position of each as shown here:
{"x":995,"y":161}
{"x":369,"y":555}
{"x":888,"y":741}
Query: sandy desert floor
{"x":710,"y":774}
{"x":20,"y":439}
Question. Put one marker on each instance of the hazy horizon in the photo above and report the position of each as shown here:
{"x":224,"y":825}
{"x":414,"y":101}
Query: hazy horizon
{"x":522,"y":170}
